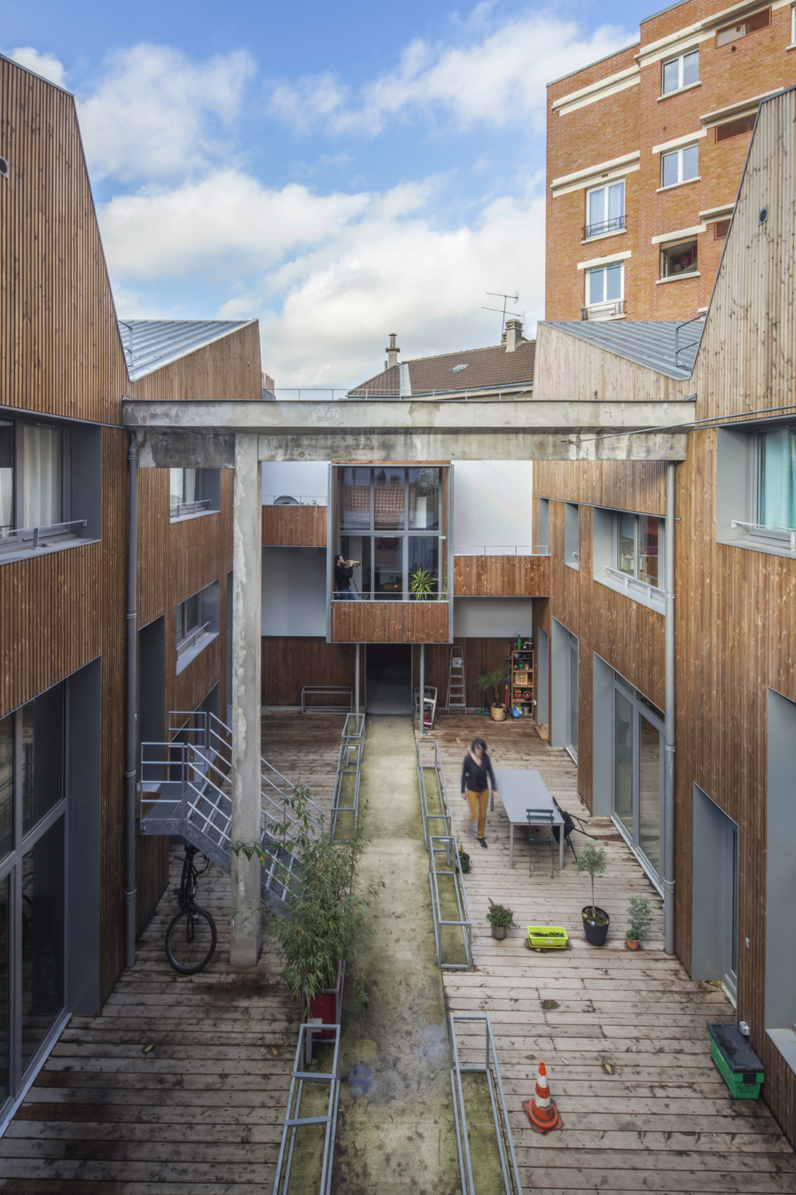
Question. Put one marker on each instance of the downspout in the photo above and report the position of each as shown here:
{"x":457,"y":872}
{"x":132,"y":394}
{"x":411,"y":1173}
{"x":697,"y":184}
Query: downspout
{"x":131,"y":712}
{"x":668,"y":779}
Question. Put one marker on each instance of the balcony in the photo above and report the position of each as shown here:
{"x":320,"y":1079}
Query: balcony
{"x":501,"y":571}
{"x":615,"y":224}
{"x":379,"y":618}
{"x":604,"y":311}
{"x":29,"y":541}
{"x":290,"y":522}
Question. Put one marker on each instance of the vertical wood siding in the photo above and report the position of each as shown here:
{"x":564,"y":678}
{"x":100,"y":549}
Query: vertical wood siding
{"x":501,"y":576}
{"x":390,"y":622}
{"x":294,"y":526}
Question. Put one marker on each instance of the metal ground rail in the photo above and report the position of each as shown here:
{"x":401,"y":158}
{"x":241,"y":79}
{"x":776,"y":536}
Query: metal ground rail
{"x":500,"y":1116}
{"x":448,"y":895}
{"x":345,"y":800}
{"x":433,"y":792}
{"x":343,"y":705}
{"x":302,"y":1079}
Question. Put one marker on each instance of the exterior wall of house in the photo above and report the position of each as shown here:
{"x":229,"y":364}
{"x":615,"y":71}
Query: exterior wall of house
{"x":629,"y":118}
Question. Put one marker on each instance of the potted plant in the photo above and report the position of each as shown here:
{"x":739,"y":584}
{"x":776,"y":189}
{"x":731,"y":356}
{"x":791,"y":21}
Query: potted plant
{"x":501,"y":919}
{"x":464,"y":859}
{"x":639,"y":916}
{"x":492,"y":681}
{"x":594,"y":861}
{"x":421,"y":583}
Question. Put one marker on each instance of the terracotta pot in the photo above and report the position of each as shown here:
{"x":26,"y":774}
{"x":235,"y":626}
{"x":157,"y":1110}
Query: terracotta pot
{"x":498,"y":713}
{"x":632,"y":943}
{"x":499,"y":932}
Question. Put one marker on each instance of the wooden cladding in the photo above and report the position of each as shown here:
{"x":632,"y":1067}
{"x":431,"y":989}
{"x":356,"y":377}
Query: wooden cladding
{"x":390,"y":622}
{"x":623,"y":485}
{"x":290,"y":662}
{"x":228,"y":369}
{"x":294,"y":526}
{"x":501,"y":576}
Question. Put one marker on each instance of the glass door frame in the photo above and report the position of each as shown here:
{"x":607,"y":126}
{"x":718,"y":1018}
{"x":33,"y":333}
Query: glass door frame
{"x":573,"y":649}
{"x":729,"y":935}
{"x":641,"y":709}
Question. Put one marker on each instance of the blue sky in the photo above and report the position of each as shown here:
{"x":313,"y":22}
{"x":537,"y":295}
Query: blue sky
{"x":341,"y":173}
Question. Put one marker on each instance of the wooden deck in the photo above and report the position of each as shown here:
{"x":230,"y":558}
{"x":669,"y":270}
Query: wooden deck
{"x":622,"y":1034}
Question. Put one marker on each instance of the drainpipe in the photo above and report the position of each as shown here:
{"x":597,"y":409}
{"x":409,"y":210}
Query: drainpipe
{"x":356,"y":681}
{"x":668,"y":780}
{"x":131,"y":712}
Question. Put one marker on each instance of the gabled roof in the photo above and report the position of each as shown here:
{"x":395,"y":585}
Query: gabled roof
{"x":485,"y":369}
{"x":648,"y":342}
{"x":149,"y":344}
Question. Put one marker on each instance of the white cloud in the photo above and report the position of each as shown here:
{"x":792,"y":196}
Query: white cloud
{"x":155,"y":114}
{"x":496,"y":79}
{"x":43,"y":63}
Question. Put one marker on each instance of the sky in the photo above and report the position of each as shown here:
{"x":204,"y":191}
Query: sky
{"x":339,"y":172}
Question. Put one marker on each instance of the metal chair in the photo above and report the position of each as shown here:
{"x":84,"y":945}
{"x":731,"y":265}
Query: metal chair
{"x":541,"y":817}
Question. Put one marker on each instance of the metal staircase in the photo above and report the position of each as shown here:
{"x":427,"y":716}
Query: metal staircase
{"x":457,"y":701}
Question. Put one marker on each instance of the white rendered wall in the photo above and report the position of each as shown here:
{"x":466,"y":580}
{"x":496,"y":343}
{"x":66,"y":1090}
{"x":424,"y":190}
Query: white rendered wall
{"x":300,"y":479}
{"x":492,"y":504}
{"x":294,"y":591}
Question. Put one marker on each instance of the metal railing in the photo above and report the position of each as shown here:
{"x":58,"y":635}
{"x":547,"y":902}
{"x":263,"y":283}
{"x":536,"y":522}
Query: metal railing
{"x":501,"y":550}
{"x":681,"y":338}
{"x":33,"y":538}
{"x":190,"y":508}
{"x":190,"y":639}
{"x":301,"y":1079}
{"x":497,"y":1099}
{"x":380,"y":595}
{"x":344,"y":706}
{"x":520,"y":392}
{"x":601,"y":311}
{"x":781,"y":537}
{"x":300,"y":500}
{"x":445,"y":866}
{"x":629,"y":582}
{"x":615,"y":224}
{"x":345,"y":799}
{"x":433,"y":791}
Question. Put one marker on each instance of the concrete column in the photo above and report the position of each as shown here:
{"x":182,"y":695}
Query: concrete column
{"x":246,"y":932}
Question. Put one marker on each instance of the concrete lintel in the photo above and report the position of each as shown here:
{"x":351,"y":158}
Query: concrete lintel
{"x":187,"y":450}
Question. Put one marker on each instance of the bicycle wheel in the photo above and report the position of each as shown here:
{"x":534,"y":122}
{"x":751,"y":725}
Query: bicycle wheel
{"x":191,"y":940}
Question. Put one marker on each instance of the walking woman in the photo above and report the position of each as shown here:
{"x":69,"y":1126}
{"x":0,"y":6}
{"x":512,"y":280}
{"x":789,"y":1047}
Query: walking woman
{"x":477,"y":766}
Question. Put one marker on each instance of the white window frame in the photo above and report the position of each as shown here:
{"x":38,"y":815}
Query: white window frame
{"x":680,"y":71}
{"x":604,"y":303}
{"x":205,"y":483}
{"x":678,"y":153}
{"x":605,"y":231}
{"x":672,"y":246}
{"x":738,"y":494}
{"x":641,"y":708}
{"x":635,"y":577}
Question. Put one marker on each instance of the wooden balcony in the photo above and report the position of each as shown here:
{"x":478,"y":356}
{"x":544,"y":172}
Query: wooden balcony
{"x":501,"y":576}
{"x":294,"y":526}
{"x":390,"y":622}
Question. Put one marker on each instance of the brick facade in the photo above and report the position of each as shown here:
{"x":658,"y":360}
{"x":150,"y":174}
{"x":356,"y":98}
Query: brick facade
{"x":617,"y":122}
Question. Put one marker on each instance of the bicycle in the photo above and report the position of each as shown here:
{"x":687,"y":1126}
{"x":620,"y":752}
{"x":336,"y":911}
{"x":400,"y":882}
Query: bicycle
{"x":191,"y":937}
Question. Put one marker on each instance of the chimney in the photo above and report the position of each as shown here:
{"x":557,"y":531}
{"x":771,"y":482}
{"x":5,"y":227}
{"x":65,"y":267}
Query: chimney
{"x":392,"y":352}
{"x":513,"y":335}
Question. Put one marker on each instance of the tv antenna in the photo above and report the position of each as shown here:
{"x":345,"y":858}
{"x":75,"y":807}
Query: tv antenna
{"x":503,"y":311}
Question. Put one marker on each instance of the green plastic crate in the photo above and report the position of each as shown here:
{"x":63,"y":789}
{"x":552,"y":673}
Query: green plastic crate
{"x":547,"y":937}
{"x":743,"y":1084}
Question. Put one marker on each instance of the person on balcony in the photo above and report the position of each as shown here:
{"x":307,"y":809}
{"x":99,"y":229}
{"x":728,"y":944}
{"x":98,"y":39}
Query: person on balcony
{"x":343,"y":572}
{"x":477,"y":766}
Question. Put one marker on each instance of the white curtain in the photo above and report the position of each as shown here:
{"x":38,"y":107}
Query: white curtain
{"x":6,"y":475}
{"x":778,"y":478}
{"x":175,"y":487}
{"x":42,"y":477}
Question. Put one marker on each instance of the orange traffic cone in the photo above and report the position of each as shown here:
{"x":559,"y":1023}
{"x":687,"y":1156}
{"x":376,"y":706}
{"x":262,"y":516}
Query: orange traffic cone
{"x":541,"y":1110}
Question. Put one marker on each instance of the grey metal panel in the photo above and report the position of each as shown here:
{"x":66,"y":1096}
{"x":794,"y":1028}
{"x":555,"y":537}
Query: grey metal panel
{"x":84,"y":704}
{"x":542,"y":677}
{"x":150,"y":344}
{"x":558,"y":703}
{"x":603,"y":721}
{"x":648,"y":342}
{"x":492,"y":617}
{"x":706,"y":941}
{"x":780,"y":862}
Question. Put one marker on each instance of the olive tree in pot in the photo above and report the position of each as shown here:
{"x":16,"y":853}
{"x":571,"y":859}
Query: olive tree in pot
{"x":639,"y":916}
{"x":492,"y":681}
{"x":594,"y":861}
{"x":501,"y":919}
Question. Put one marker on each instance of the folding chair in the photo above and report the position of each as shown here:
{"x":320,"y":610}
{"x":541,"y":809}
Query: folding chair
{"x":541,"y":817}
{"x":569,"y":828}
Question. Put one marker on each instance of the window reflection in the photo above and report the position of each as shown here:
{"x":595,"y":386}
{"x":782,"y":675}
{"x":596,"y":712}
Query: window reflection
{"x":626,"y":545}
{"x":42,"y":756}
{"x":4,"y":988}
{"x":355,"y":500}
{"x":389,"y":499}
{"x":424,"y":499}
{"x":6,"y":475}
{"x":649,"y":791}
{"x":42,"y":939}
{"x":388,"y":566}
{"x":648,"y":550}
{"x":623,"y":760}
{"x":6,"y":785}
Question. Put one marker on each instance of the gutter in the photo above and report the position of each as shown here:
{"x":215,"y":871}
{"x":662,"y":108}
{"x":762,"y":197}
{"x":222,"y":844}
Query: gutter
{"x":669,"y":745}
{"x":136,"y":440}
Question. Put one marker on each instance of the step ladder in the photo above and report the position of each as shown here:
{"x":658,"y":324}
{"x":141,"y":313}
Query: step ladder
{"x":457,"y":702}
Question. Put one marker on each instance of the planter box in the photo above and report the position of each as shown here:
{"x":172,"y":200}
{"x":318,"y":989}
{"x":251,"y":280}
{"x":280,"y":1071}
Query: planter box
{"x":547,"y":937}
{"x":739,"y":1066}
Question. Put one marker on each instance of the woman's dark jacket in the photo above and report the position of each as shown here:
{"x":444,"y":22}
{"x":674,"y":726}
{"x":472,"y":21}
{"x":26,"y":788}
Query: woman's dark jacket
{"x":474,"y":775}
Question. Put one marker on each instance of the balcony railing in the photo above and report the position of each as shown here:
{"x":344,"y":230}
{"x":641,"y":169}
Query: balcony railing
{"x":191,"y":639}
{"x":631,"y":582}
{"x":783,"y":538}
{"x":33,"y":539}
{"x":615,"y":224}
{"x":295,"y":500}
{"x":517,"y":393}
{"x":190,"y":508}
{"x":381,"y":595}
{"x":501,"y":550}
{"x":603,"y":311}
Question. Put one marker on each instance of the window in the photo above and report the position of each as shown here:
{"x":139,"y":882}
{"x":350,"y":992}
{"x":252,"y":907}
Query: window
{"x":571,"y":535}
{"x":544,"y":525}
{"x":776,"y":495}
{"x":605,"y":209}
{"x":733,"y":33}
{"x":734,"y":128}
{"x":680,"y":72}
{"x":50,"y":485}
{"x":679,"y":259}
{"x":639,"y":543}
{"x":720,"y":230}
{"x":605,"y":285}
{"x":638,"y":773}
{"x":193,"y":492}
{"x":196,"y":624}
{"x":572,"y":695}
{"x":756,"y":488}
{"x":680,"y":166}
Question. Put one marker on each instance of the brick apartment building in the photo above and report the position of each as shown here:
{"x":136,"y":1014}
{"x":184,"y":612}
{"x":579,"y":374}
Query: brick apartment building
{"x":645,"y":151}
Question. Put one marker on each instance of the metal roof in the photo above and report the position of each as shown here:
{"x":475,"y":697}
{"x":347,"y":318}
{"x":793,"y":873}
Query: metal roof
{"x":149,"y":344}
{"x":655,"y":343}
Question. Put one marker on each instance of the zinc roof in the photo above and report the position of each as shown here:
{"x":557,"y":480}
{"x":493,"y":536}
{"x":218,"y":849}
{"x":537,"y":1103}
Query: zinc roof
{"x":149,"y":344}
{"x":485,"y":368}
{"x":648,"y":342}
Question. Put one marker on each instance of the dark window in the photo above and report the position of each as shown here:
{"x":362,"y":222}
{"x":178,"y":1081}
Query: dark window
{"x":196,"y":623}
{"x":732,"y":33}
{"x":679,"y":259}
{"x":720,"y":229}
{"x":193,"y":492}
{"x":734,"y":128}
{"x":42,"y":938}
{"x":42,"y":755}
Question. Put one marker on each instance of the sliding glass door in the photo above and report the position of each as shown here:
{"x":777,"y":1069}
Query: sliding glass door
{"x":572,"y":696}
{"x":638,"y":773}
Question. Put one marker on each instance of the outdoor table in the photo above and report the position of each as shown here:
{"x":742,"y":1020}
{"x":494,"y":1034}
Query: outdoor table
{"x":522,"y":791}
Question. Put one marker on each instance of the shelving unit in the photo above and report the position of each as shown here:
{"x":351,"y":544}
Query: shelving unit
{"x":522,"y":676}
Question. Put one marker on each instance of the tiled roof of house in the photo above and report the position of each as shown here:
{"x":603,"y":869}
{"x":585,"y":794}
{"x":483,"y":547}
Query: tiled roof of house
{"x":649,"y":342}
{"x":149,"y":344}
{"x":485,"y":369}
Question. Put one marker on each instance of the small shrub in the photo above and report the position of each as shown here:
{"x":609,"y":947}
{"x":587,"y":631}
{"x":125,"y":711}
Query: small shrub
{"x":639,"y":916}
{"x":500,"y":915}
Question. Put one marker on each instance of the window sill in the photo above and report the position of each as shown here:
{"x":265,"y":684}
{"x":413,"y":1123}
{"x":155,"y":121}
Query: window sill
{"x":686,"y":182}
{"x":29,"y":554}
{"x":184,"y":658}
{"x":688,"y":87}
{"x":575,"y":567}
{"x":785,"y":1041}
{"x":602,"y":236}
{"x":753,"y":545}
{"x":792,"y":46}
{"x":658,"y":604}
{"x":678,"y":277}
{"x":200,"y":514}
